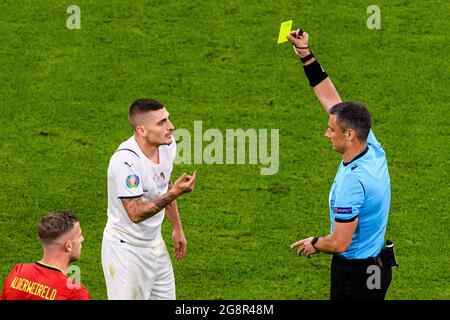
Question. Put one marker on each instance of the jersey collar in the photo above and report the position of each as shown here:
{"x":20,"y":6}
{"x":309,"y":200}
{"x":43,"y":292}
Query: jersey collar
{"x":362,"y":153}
{"x":47,"y":266}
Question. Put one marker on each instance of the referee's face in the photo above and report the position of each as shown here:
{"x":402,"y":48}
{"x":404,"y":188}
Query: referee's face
{"x":336,"y":134}
{"x":157,"y":128}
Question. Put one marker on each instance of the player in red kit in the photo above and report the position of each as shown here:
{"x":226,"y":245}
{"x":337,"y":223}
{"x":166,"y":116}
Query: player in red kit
{"x":61,"y":238}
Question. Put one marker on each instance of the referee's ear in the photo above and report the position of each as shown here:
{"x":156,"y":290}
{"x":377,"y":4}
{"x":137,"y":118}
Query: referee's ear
{"x":351,"y":135}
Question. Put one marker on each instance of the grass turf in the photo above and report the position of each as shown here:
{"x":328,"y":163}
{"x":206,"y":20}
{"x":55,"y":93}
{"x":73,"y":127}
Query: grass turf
{"x":65,"y":94}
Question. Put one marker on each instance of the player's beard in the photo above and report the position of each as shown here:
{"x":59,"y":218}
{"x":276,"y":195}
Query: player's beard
{"x":75,"y":257}
{"x":160,"y":140}
{"x":168,"y":138}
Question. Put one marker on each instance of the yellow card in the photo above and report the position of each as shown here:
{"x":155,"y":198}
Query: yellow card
{"x":285,"y":28}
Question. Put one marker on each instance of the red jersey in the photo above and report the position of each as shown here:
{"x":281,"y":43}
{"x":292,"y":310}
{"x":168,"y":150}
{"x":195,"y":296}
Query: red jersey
{"x":37,"y":281}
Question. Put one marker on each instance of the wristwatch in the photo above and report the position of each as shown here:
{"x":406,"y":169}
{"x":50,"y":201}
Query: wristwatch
{"x":313,"y":242}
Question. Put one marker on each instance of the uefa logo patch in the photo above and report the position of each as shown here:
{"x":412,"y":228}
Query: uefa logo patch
{"x":132,"y":181}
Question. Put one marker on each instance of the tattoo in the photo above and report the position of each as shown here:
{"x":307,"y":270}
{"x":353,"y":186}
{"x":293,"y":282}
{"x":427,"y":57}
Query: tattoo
{"x":139,"y":209}
{"x":161,"y":203}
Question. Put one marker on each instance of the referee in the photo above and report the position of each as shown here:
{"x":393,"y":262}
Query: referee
{"x":360,"y":195}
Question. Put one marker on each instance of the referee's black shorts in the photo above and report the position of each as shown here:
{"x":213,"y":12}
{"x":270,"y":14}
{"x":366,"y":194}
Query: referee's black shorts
{"x":359,"y":279}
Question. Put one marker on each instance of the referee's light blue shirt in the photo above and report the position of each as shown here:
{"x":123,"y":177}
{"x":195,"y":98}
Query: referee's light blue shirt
{"x":362,"y":189}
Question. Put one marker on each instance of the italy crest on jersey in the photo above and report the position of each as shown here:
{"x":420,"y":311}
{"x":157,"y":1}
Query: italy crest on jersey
{"x":132,"y":181}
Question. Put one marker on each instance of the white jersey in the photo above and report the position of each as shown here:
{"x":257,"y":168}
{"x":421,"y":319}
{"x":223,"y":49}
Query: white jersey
{"x":131,"y":175}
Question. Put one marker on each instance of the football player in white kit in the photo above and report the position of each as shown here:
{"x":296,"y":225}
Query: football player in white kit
{"x":135,"y":260}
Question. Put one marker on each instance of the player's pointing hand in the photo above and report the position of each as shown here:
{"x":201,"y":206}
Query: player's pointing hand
{"x":185,"y":183}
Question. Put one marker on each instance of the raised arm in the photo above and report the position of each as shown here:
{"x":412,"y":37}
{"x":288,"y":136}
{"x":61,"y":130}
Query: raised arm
{"x":318,"y":79}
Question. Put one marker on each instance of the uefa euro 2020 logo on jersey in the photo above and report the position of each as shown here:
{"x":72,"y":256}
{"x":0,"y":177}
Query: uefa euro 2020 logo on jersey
{"x":132,"y":181}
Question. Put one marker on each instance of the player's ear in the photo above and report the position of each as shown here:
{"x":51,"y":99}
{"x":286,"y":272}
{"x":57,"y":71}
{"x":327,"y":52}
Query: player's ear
{"x":140,"y":130}
{"x":68,"y":245}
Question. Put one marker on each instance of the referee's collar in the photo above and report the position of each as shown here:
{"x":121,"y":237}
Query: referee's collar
{"x":359,"y":155}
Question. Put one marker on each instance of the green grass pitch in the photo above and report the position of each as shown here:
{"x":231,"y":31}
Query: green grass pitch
{"x":64,"y":95}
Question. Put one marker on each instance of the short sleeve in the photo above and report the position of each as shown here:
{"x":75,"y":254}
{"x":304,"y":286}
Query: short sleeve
{"x":349,"y":199}
{"x":126,"y":175}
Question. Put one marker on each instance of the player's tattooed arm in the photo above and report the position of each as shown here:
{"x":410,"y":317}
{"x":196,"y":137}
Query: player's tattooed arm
{"x":139,"y":209}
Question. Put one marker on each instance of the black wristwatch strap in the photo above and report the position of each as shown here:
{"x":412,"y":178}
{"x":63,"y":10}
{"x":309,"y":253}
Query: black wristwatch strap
{"x":313,"y":242}
{"x":308,"y":57}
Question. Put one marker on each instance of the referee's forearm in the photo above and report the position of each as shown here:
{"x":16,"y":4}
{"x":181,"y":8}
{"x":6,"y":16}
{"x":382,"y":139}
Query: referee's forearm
{"x":327,"y":94}
{"x":329,"y":245}
{"x":320,"y":82}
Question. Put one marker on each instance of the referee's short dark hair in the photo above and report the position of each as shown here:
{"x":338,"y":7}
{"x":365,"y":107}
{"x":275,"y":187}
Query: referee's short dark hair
{"x":353,"y":115}
{"x":142,"y":106}
{"x":55,"y":224}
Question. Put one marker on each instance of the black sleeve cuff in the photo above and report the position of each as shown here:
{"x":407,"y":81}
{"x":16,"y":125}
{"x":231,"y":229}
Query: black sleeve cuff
{"x":130,"y":197}
{"x":345,"y":221}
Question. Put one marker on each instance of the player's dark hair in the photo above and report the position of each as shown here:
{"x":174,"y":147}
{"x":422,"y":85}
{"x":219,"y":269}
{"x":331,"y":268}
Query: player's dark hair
{"x":142,"y":106}
{"x":353,"y":115}
{"x":55,"y":224}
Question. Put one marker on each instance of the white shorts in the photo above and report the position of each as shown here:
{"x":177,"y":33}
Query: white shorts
{"x":137,"y":273}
